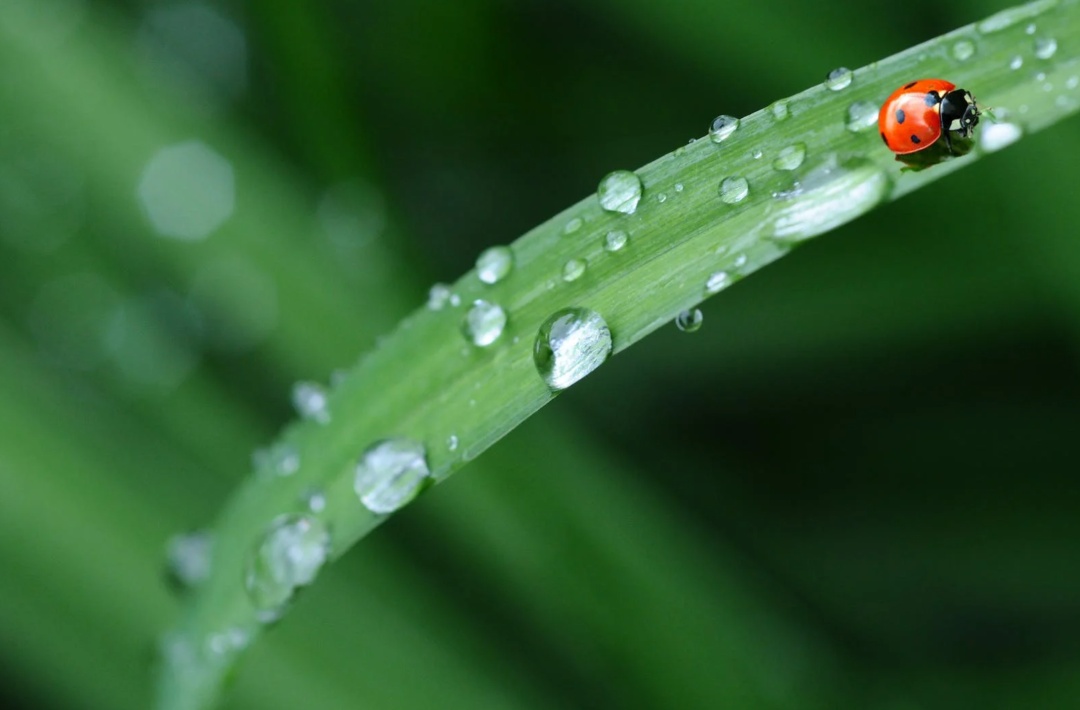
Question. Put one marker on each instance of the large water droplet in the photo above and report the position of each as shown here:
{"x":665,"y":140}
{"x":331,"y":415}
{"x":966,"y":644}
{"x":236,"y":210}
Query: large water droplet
{"x":790,"y":157}
{"x":734,"y":190}
{"x":484,"y":323}
{"x":289,"y":555}
{"x":615,"y":240}
{"x":998,"y":135}
{"x":717,"y":282}
{"x":494,"y":264}
{"x":570,"y":344}
{"x":838,"y":79}
{"x":188,"y":558}
{"x":310,"y":400}
{"x":620,"y":191}
{"x":1045,"y":47}
{"x":861,"y":116}
{"x":722,"y":127}
{"x":963,"y":50}
{"x":828,"y":196}
{"x":689,"y":321}
{"x":390,"y":474}
{"x":573,"y":270}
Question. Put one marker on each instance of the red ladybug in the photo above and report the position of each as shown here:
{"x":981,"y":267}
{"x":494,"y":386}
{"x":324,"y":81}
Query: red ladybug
{"x":917,"y":114}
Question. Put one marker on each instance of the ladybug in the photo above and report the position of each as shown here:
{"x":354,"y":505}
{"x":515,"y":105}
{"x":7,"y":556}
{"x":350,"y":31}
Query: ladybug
{"x":917,"y":114}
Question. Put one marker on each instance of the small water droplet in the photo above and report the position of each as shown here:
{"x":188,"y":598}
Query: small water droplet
{"x":620,"y":191}
{"x":573,"y":269}
{"x":756,"y":155}
{"x":484,"y":323}
{"x":831,"y":194}
{"x":281,"y":459}
{"x":722,"y":127}
{"x":838,"y":79}
{"x":570,"y":344}
{"x":998,"y":135}
{"x":1016,"y":62}
{"x":573,"y":225}
{"x":1072,"y":82}
{"x":734,"y":190}
{"x":740,"y":261}
{"x":452,"y":442}
{"x":390,"y":474}
{"x":188,"y":558}
{"x":289,"y":555}
{"x":661,"y":198}
{"x":862,"y":115}
{"x":1041,"y":76}
{"x":1030,"y":29}
{"x":615,"y":240}
{"x":494,"y":264}
{"x":310,"y":401}
{"x":689,"y":321}
{"x":790,"y":157}
{"x":963,"y":50}
{"x":228,"y":643}
{"x":678,"y":187}
{"x":717,"y":282}
{"x":1045,"y":47}
{"x":780,"y":110}
{"x":438,"y":297}
{"x":314,"y":499}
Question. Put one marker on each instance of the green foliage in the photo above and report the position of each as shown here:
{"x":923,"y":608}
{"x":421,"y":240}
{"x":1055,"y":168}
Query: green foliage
{"x":601,"y":557}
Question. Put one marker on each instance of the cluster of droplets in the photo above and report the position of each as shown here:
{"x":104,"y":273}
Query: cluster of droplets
{"x":287,"y":556}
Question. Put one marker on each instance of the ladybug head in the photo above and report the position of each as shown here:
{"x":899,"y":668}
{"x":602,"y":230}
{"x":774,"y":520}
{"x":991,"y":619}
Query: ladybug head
{"x":959,"y":112}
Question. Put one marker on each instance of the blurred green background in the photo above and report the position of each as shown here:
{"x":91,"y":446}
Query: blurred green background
{"x":854,"y":487}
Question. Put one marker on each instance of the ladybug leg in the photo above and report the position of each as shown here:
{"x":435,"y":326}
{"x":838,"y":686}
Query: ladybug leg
{"x":948,"y":142}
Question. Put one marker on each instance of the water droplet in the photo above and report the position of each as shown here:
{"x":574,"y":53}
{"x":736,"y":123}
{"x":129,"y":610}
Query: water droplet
{"x":615,"y":240}
{"x":734,"y":190}
{"x":289,"y":555}
{"x":838,"y":79}
{"x":281,"y":459}
{"x":998,"y":135}
{"x":780,"y":110}
{"x":790,"y":157}
{"x":620,"y":191}
{"x":861,"y":116}
{"x":390,"y":474}
{"x":570,"y":344}
{"x":494,"y":264}
{"x":438,"y":297}
{"x":187,"y":191}
{"x":484,"y":323}
{"x":689,"y":321}
{"x":717,"y":282}
{"x":740,"y":261}
{"x":1030,"y":29}
{"x":830,"y":195}
{"x":1016,"y":62}
{"x":228,"y":643}
{"x":310,"y":401}
{"x":963,"y":50}
{"x":314,"y":499}
{"x":722,"y":127}
{"x":1072,"y":82}
{"x":188,"y":558}
{"x":573,"y":269}
{"x":452,"y":442}
{"x":575,"y":224}
{"x":661,"y":198}
{"x":1045,"y":47}
{"x":678,"y":187}
{"x":756,"y":155}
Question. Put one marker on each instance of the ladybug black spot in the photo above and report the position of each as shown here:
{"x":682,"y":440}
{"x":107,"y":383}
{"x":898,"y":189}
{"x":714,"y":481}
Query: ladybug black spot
{"x":915,"y":140}
{"x":933,"y":99}
{"x":908,"y":86}
{"x":900,"y":116}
